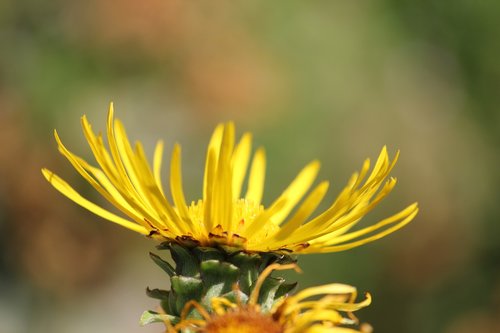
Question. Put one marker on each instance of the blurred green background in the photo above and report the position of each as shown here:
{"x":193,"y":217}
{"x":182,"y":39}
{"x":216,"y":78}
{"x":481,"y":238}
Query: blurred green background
{"x":333,"y":80}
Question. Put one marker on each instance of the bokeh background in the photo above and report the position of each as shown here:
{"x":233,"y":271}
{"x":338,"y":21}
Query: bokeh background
{"x":333,"y":80}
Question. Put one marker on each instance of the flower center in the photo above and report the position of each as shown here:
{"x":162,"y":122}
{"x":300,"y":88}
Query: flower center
{"x":243,"y":210}
{"x":242,"y":321}
{"x":244,"y":213}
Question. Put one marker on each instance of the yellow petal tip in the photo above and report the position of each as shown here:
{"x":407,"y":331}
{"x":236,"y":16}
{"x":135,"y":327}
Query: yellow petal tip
{"x":47,"y":173}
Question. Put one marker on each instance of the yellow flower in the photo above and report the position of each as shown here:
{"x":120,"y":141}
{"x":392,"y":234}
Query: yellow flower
{"x":292,"y":314}
{"x":224,"y":216}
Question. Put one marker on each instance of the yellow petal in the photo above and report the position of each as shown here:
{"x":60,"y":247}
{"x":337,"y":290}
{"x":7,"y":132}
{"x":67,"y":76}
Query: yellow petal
{"x":306,"y":209}
{"x":213,"y":149}
{"x":222,"y":204}
{"x":257,"y":177}
{"x":263,"y":218}
{"x":142,"y":186}
{"x":100,"y":182}
{"x":157,"y":159}
{"x":69,"y":192}
{"x":176,"y":187}
{"x":404,"y":217}
{"x":239,"y":161}
{"x":208,"y":186}
{"x":296,"y":190}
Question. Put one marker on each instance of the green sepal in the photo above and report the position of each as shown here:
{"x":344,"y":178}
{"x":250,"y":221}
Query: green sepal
{"x":229,"y":249}
{"x":149,"y":317}
{"x":284,"y":289}
{"x":169,"y":269}
{"x":202,"y":273}
{"x":268,"y":292}
{"x":186,"y":264}
{"x":248,"y":265}
{"x":185,"y":289}
{"x":157,"y":293}
{"x":164,"y":245}
{"x":208,"y":253}
{"x":267,"y":259}
{"x":169,"y":305}
{"x":218,"y":278}
{"x":236,"y":296}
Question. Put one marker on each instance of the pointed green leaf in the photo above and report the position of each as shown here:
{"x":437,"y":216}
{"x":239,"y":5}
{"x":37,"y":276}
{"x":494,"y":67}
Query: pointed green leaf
{"x":249,"y":269}
{"x":236,"y":296}
{"x":284,"y":289}
{"x":186,"y":262}
{"x":164,"y":245}
{"x":163,"y":264}
{"x":268,"y":292}
{"x":230,"y":249}
{"x":157,"y":293}
{"x":149,"y":317}
{"x":273,"y":257}
{"x":218,"y":278}
{"x":185,"y":289}
{"x":208,"y":253}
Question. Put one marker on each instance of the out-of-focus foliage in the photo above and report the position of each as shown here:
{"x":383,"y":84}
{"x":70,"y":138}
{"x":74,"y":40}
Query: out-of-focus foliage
{"x":333,"y":80}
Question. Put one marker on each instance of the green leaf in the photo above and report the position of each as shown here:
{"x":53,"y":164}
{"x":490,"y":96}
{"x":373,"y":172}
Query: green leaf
{"x":185,"y":289}
{"x":208,"y":253}
{"x":284,"y":289}
{"x":273,"y":257}
{"x":149,"y":317}
{"x":268,"y":292}
{"x":249,"y":269}
{"x":230,"y":249}
{"x":218,"y":278}
{"x":163,"y":264}
{"x":164,"y":245}
{"x":166,"y":305}
{"x":236,"y":296}
{"x":186,"y":263}
{"x":157,"y":293}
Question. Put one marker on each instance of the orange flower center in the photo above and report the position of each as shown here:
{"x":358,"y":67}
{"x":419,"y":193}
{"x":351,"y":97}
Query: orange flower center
{"x":242,"y":321}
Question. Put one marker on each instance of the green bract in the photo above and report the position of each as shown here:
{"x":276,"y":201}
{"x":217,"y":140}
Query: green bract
{"x":202,"y":273}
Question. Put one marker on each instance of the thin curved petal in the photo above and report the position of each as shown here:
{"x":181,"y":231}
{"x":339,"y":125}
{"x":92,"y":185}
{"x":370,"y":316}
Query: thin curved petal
{"x":69,"y":192}
{"x":222,"y":217}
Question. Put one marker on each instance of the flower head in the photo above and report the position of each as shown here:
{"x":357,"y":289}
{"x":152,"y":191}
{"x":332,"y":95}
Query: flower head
{"x":225,"y":217}
{"x":300,"y":313}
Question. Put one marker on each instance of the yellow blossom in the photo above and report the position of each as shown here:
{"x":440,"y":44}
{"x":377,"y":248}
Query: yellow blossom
{"x":292,"y":314}
{"x":224,"y":216}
